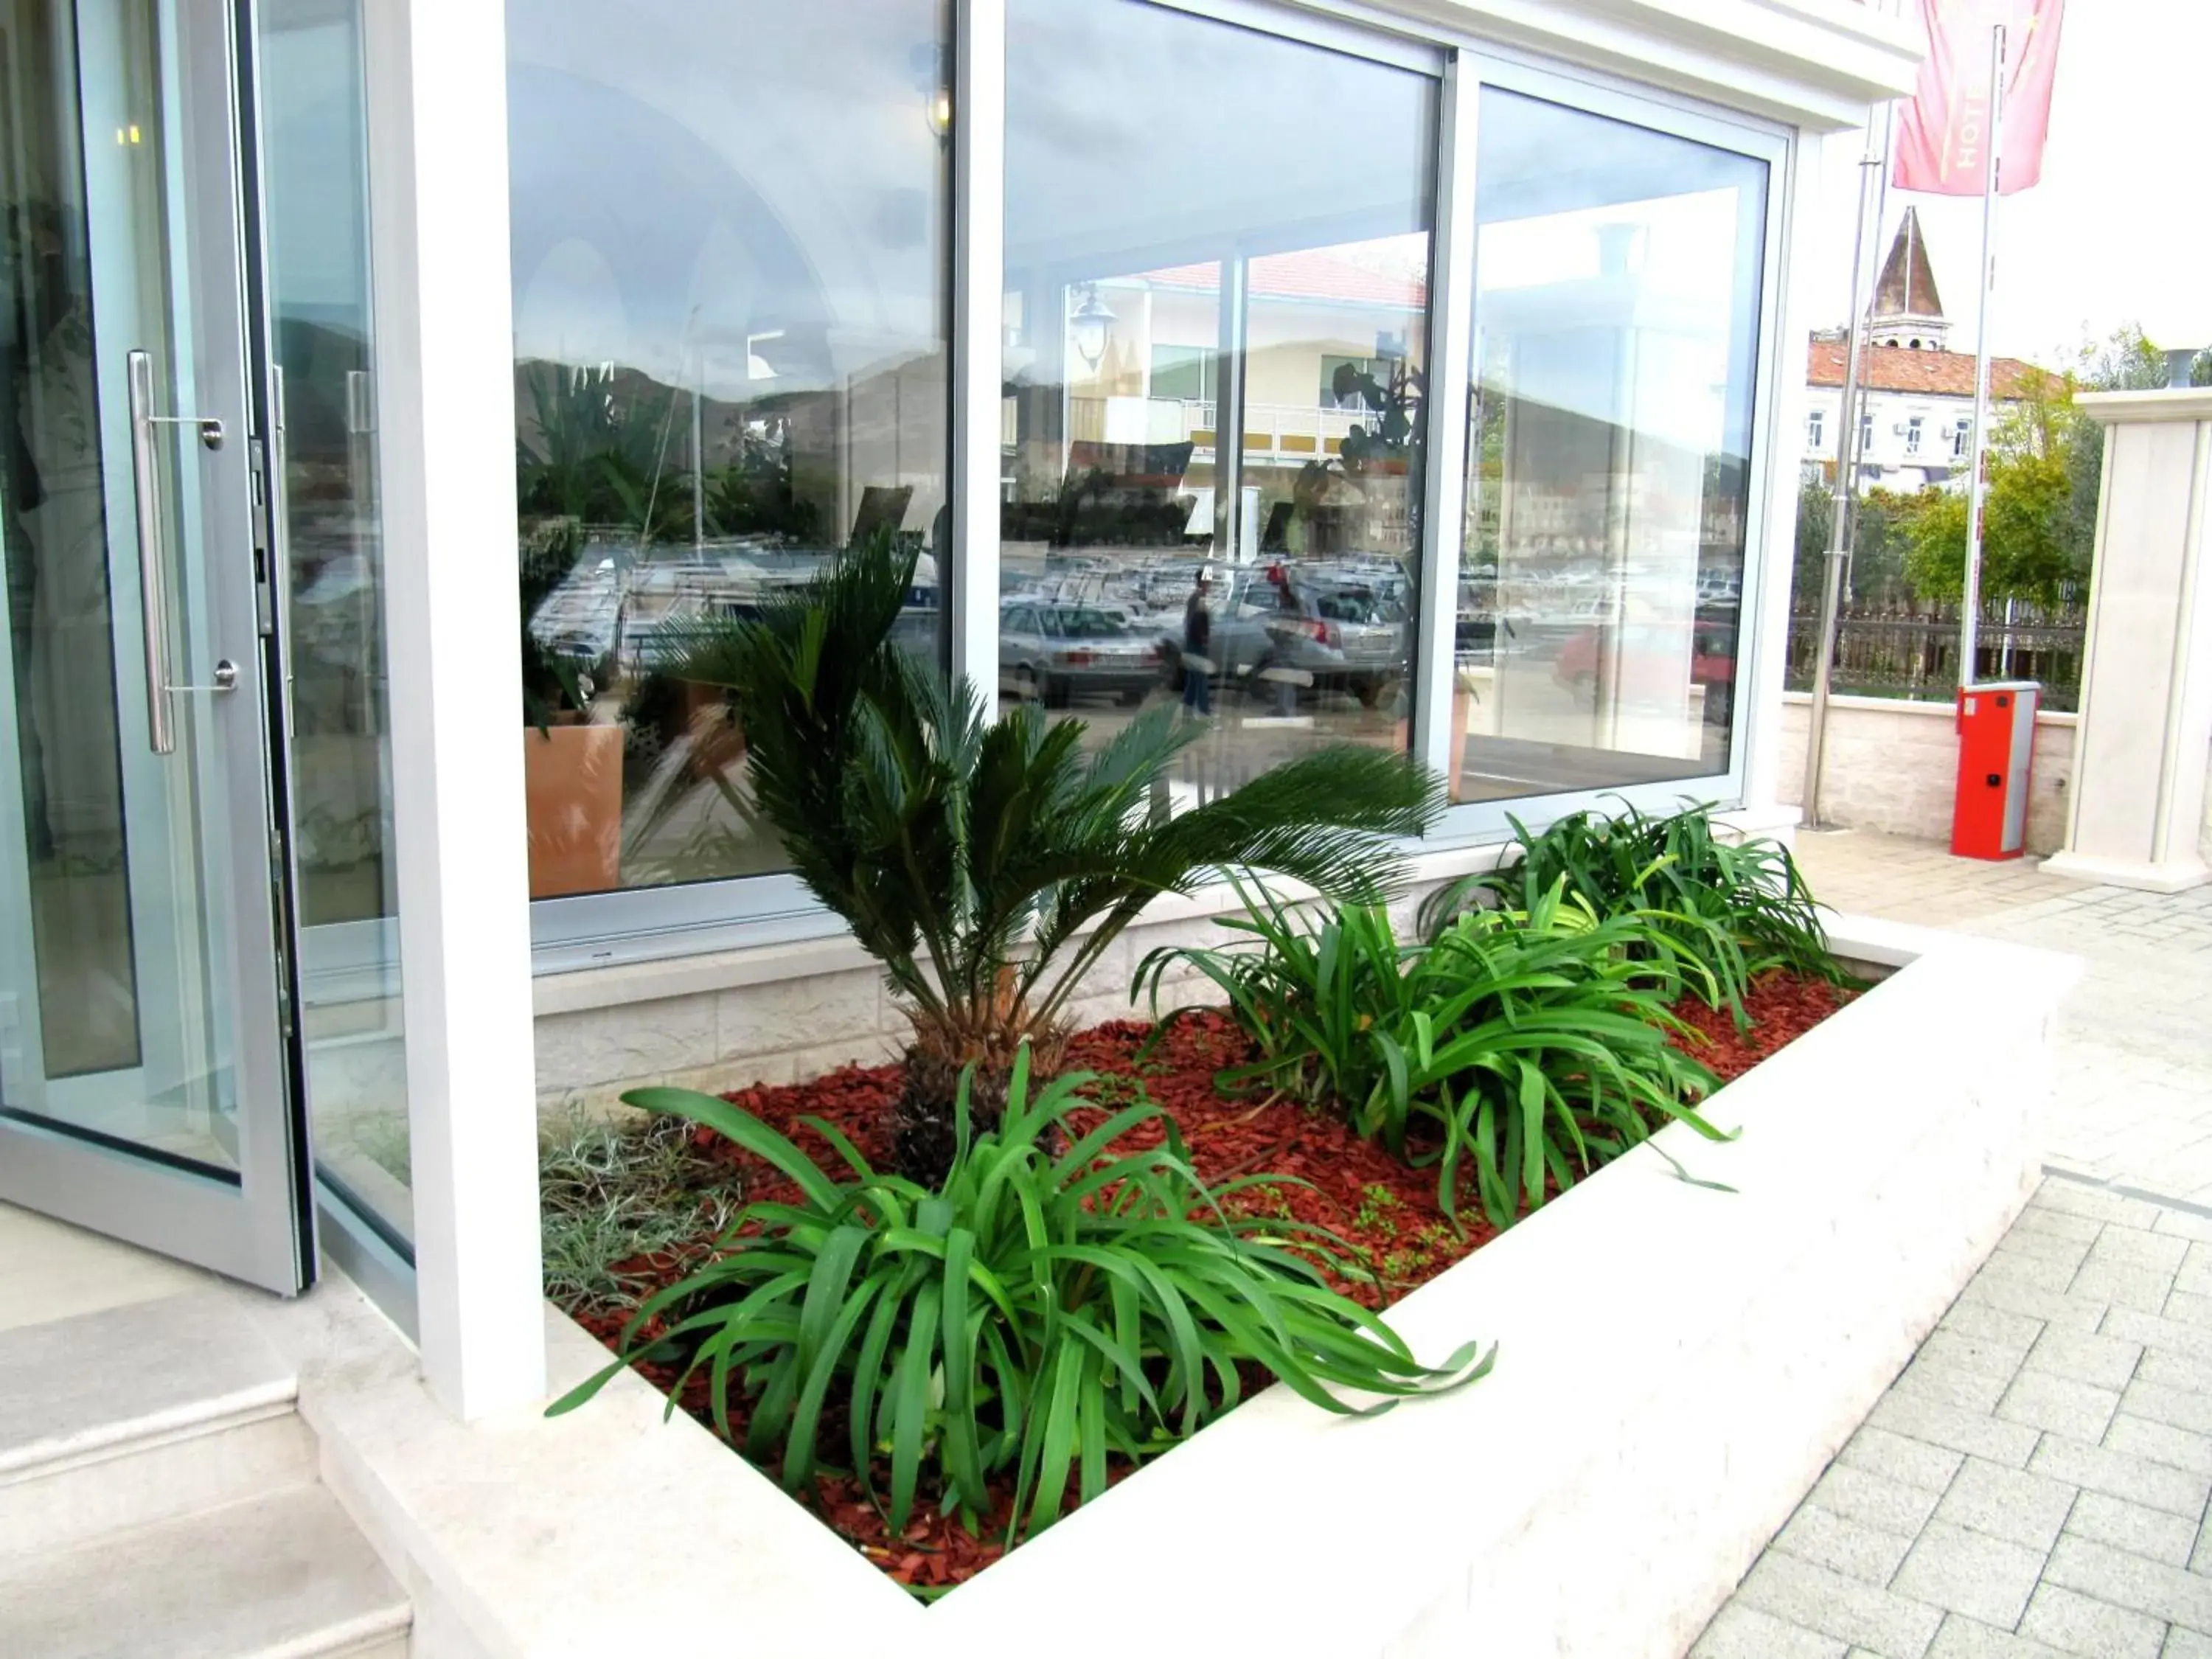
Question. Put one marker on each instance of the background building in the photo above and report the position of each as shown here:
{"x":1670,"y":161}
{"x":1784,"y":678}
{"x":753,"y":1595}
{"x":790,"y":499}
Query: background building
{"x":1918,"y":419}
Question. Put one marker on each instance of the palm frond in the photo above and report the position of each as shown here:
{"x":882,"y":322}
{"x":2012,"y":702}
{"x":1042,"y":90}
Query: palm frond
{"x":967,"y":853}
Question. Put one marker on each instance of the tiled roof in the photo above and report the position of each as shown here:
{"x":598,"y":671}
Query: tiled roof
{"x":1896,"y":368}
{"x":1312,"y":274}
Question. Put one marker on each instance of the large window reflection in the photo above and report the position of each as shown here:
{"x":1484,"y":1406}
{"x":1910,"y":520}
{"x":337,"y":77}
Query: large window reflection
{"x":1216,"y":322}
{"x":1616,"y":326}
{"x":731,"y":270}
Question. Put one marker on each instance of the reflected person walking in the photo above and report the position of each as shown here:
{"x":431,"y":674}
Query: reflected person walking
{"x":1197,"y":640}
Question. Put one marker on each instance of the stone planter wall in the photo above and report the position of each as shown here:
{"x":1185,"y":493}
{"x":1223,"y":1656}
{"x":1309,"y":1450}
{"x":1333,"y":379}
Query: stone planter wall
{"x":784,"y":1013}
{"x":1676,"y":1364}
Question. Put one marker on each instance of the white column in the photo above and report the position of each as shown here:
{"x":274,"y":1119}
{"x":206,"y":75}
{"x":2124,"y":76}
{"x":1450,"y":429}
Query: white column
{"x":2137,"y":816}
{"x":437,"y":128}
{"x":979,"y":232}
{"x":1763,"y":645}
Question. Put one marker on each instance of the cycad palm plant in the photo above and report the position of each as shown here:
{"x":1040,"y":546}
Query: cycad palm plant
{"x":989,"y":865}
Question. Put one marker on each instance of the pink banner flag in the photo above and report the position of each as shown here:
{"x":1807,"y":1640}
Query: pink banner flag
{"x":1943,"y":133}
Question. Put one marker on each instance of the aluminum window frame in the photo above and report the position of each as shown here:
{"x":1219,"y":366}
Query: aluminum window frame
{"x":652,"y":924}
{"x":1481,"y":66}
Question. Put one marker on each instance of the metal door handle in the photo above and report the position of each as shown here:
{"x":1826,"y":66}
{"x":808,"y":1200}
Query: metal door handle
{"x":226,"y":679}
{"x":153,"y":564}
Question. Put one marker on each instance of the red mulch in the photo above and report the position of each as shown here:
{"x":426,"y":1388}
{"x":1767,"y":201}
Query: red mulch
{"x":1387,"y":1212}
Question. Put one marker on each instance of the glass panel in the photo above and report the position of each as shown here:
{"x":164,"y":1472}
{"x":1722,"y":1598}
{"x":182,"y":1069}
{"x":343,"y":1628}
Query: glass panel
{"x":116,"y":946}
{"x":1617,"y":292}
{"x":316,"y":203}
{"x":60,"y":611}
{"x":1179,"y":248}
{"x":731,"y":251}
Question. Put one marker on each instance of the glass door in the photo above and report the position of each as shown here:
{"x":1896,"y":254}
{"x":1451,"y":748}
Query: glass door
{"x":147,"y":1087}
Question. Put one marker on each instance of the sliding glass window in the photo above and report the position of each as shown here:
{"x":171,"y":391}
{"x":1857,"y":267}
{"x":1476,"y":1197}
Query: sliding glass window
{"x":1216,"y":324}
{"x":1599,"y":616}
{"x":730,"y":265}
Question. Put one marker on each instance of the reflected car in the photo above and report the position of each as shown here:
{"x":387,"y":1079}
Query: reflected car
{"x":1712,"y":657}
{"x":1276,"y":641}
{"x":1052,"y":652}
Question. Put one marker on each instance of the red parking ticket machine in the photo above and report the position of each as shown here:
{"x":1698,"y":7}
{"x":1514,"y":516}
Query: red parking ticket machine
{"x":1996,"y":747}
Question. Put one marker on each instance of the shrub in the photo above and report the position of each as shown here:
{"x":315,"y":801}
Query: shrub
{"x":989,"y":865}
{"x":1523,"y":1047}
{"x":612,"y":1193}
{"x":1738,"y":907}
{"x":1039,"y":1315}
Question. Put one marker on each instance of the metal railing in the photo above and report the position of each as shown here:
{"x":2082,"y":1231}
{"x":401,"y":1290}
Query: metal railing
{"x":1913,"y":653}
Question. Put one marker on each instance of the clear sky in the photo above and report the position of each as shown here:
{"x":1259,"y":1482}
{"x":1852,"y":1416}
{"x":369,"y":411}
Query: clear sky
{"x":2120,"y":229}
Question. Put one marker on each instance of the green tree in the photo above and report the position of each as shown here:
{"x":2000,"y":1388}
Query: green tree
{"x":2123,"y":360}
{"x":1816,"y":520}
{"x":2029,"y":541}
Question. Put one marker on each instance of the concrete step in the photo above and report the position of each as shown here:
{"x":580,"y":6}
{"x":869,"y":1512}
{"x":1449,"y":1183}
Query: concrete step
{"x":141,"y":1414}
{"x":283,"y":1577}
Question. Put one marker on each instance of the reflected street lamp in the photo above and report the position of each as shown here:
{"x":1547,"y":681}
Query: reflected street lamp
{"x":1089,"y":325}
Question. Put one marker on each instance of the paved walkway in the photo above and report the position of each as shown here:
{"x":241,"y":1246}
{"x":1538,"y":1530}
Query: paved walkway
{"x":2133,"y":1108}
{"x":2034,"y":1485}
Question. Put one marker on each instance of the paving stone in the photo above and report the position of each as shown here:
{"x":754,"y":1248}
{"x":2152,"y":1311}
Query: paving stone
{"x":1977,"y":1319}
{"x":2135,"y":1528}
{"x":1984,"y":1356}
{"x":2086,"y":1357}
{"x":2057,"y":1223}
{"x":2186,"y":1645}
{"x":2031,"y":1273}
{"x":1961,"y":1637}
{"x":2200,"y":1558}
{"x":1971,"y":1572}
{"x":2175,"y":1370}
{"x":1895,"y":1457}
{"x":2073,"y":1198}
{"x":2046,"y":1246}
{"x":2073,"y":1622}
{"x":2196,"y":1275}
{"x":2161,"y":1442}
{"x":1744,"y":1633}
{"x":1818,"y":1599}
{"x":1852,"y":1547}
{"x":2184,"y":1408}
{"x":2190,"y":1308}
{"x":2099,"y":1468}
{"x":2135,"y":1582}
{"x":2010,"y":1443}
{"x":2165,"y":1336}
{"x":2139,"y":1247}
{"x":1874,"y":1499}
{"x":2079,"y":1411}
{"x":2074,"y":1313}
{"x":2144,"y":1288}
{"x":2009,"y":1503}
{"x":1977,"y":1391}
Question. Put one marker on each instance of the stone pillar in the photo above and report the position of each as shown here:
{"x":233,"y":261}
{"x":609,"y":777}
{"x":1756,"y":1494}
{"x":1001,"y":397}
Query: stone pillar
{"x":2146,"y":732}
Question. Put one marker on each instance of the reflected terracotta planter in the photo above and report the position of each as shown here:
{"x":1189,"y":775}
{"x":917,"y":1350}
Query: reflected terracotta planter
{"x":572,"y":780}
{"x":1462,"y":716}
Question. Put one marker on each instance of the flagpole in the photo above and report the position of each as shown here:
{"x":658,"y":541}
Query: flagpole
{"x":1847,"y":456}
{"x":1976,"y":491}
